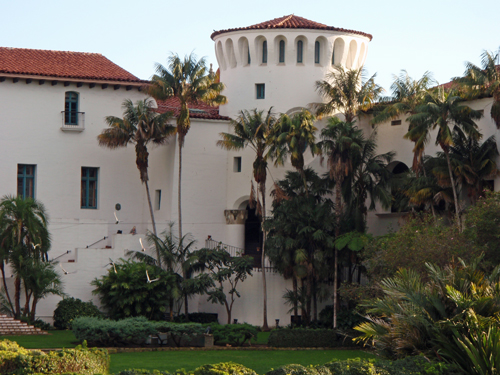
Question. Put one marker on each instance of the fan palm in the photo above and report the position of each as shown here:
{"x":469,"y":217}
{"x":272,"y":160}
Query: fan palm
{"x":187,"y":80}
{"x":140,"y":125}
{"x":484,"y":80}
{"x":440,"y":110}
{"x":252,"y":129}
{"x":340,"y":142}
{"x":347,"y":91}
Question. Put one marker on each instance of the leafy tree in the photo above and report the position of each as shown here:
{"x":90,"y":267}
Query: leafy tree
{"x":301,"y":232}
{"x":187,"y":80}
{"x":224,"y":269}
{"x":252,"y":129}
{"x":127,"y":292}
{"x":140,"y":125}
{"x":23,"y":236}
{"x":484,"y":80}
{"x":347,"y":91}
{"x":441,"y":110}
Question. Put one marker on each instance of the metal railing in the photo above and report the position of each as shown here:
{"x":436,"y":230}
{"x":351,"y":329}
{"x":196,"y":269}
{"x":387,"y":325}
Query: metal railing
{"x":236,"y":252}
{"x":73,"y":121}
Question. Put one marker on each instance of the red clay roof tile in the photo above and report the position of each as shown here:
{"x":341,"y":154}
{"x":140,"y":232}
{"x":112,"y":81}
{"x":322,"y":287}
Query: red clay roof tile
{"x":62,"y":64}
{"x":196,"y":110}
{"x":290,"y":22}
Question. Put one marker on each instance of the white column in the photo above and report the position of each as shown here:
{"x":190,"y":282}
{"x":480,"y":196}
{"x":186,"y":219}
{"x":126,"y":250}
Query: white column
{"x":235,"y":227}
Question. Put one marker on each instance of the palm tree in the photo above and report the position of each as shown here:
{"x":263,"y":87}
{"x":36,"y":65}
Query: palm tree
{"x":252,"y":129}
{"x":23,"y":235}
{"x":187,"y":80}
{"x":347,"y":91}
{"x":340,"y":142}
{"x":407,"y":95}
{"x":291,"y":137}
{"x":140,"y":125}
{"x":484,"y":79}
{"x":440,"y":110}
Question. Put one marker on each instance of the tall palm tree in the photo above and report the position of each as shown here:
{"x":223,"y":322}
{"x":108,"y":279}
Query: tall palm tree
{"x":252,"y":129}
{"x":292,"y":136}
{"x":347,"y":91}
{"x":439,"y":112}
{"x":340,"y":142}
{"x":140,"y":125}
{"x":484,"y":79}
{"x":187,"y":80}
{"x":23,"y":235}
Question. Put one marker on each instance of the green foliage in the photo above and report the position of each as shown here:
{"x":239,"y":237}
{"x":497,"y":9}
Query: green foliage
{"x":71,"y":308}
{"x":234,"y":334}
{"x":180,"y":333}
{"x":142,"y":372}
{"x":294,"y":369}
{"x":19,"y":361}
{"x":198,"y":318}
{"x":127,"y":292}
{"x":227,"y":368}
{"x":307,"y":338}
{"x":105,"y":332}
{"x":38,"y":323}
{"x":346,"y":319}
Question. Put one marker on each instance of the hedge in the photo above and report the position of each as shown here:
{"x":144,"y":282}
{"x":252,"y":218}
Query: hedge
{"x":233,"y":334}
{"x":226,"y":368}
{"x":198,"y":318}
{"x":16,"y":360}
{"x":307,"y":338}
{"x":69,"y":309}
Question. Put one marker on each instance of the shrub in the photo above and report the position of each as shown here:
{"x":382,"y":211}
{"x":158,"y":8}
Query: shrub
{"x":233,"y":334}
{"x":295,"y":370}
{"x":71,"y":308}
{"x":355,"y":367}
{"x":180,"y":333}
{"x":17,"y":360}
{"x":198,"y":318}
{"x":307,"y":338}
{"x":142,"y":372}
{"x":226,"y":368}
{"x":346,"y":319}
{"x":105,"y":332}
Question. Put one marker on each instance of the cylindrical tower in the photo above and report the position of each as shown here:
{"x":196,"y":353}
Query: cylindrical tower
{"x":276,"y":63}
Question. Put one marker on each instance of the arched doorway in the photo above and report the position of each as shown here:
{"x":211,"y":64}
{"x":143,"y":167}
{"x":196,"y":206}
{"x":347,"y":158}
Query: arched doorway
{"x":253,"y":236}
{"x":398,"y":169}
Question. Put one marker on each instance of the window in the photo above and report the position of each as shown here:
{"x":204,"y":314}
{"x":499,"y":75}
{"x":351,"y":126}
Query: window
{"x":237,"y":164}
{"x":249,"y":60}
{"x":300,"y":48}
{"x":395,"y":122}
{"x":282,"y":51}
{"x":261,"y":90}
{"x":157,"y":200}
{"x":26,"y":180}
{"x":89,"y":187}
{"x":316,"y":52}
{"x":71,"y":108}
{"x":264,"y":52}
{"x":333,"y":57}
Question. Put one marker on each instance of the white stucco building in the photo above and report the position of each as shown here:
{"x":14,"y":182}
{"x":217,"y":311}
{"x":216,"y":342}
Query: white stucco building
{"x":52,"y":107}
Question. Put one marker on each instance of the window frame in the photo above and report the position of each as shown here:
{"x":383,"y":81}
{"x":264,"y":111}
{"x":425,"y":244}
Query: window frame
{"x":85,"y":201}
{"x":317,"y":52}
{"x":71,"y":104}
{"x":264,"y":52}
{"x":260,"y":89}
{"x":26,"y":178}
{"x":300,"y":52}
{"x":281,"y":55}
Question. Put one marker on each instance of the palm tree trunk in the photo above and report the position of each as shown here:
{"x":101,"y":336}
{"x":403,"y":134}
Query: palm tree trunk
{"x":179,"y":205}
{"x":33,"y":309}
{"x":153,"y":223}
{"x":338,"y":204}
{"x":457,"y":208}
{"x":265,"y":327}
{"x":296,"y":295}
{"x":17,"y":297}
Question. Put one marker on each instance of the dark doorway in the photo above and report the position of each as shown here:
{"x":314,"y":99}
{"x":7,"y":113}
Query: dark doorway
{"x":253,"y":237}
{"x":398,"y":169}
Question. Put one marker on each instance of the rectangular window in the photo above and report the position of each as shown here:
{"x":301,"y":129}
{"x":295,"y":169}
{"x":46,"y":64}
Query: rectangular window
{"x":261,"y":90}
{"x":89,"y":187}
{"x":237,"y":164}
{"x":71,"y":108}
{"x":395,"y":122}
{"x":157,"y":200}
{"x":26,"y":180}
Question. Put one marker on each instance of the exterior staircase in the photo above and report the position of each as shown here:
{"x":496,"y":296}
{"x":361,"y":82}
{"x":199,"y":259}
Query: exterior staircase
{"x":11,"y":326}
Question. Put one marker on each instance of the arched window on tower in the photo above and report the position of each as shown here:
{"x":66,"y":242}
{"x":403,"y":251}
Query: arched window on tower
{"x":249,"y":60}
{"x":316,"y":52}
{"x":264,"y":52}
{"x":300,"y":48}
{"x":282,"y":51}
{"x":333,"y":57}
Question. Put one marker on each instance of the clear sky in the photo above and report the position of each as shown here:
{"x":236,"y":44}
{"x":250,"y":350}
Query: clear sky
{"x":439,"y":36}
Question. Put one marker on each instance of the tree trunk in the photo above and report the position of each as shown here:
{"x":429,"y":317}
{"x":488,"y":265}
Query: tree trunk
{"x":17,"y":297}
{"x":153,"y":223}
{"x":432,"y":203}
{"x":2,"y":267}
{"x":315,"y":303}
{"x":457,"y":208}
{"x":302,"y":305}
{"x":309,"y":292}
{"x":296,"y":295}
{"x":335,"y":286}
{"x":27,"y":303}
{"x":265,"y":327}
{"x":33,"y":309}
{"x":338,"y":205}
{"x":179,"y":205}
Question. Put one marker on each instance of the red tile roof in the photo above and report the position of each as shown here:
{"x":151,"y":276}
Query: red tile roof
{"x":62,"y":64}
{"x":196,"y":110}
{"x":290,"y":22}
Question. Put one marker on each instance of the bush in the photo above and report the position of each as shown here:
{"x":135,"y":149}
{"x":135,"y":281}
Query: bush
{"x":295,"y":370}
{"x":38,"y":323}
{"x":307,"y":338}
{"x":71,"y":308}
{"x":226,"y":368}
{"x":142,"y":372}
{"x":346,"y":319}
{"x":198,"y":318}
{"x":180,"y":333}
{"x":105,"y":332}
{"x":17,"y":360}
{"x":233,"y":334}
{"x":355,"y":367}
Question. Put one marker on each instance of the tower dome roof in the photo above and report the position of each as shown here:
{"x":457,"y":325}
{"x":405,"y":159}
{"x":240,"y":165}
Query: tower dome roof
{"x":290,"y":22}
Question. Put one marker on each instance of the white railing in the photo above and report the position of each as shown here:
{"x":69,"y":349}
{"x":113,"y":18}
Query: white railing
{"x":73,"y":121}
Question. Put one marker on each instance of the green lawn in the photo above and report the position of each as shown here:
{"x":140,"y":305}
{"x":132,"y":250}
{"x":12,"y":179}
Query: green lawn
{"x":55,"y":339}
{"x":259,"y":360}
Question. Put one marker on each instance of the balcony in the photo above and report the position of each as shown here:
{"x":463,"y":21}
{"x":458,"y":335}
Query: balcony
{"x":72,"y":121}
